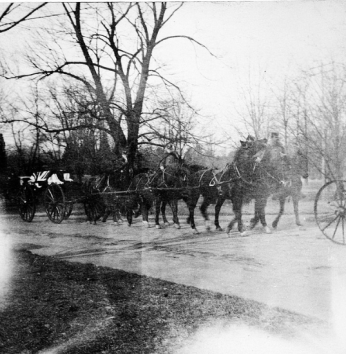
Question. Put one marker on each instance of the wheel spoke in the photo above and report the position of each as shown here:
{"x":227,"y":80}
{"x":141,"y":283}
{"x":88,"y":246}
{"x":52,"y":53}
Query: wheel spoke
{"x":336,"y":227}
{"x":324,"y":228}
{"x":330,"y":211}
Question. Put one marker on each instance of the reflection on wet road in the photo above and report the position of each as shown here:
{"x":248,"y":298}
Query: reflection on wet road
{"x":296,"y":269}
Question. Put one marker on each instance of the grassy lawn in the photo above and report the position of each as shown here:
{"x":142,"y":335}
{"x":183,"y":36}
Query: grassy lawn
{"x":76,"y":308}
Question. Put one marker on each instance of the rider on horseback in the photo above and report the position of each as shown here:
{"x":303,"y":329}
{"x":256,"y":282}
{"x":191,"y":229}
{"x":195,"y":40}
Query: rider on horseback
{"x":171,"y":164}
{"x":171,"y":157}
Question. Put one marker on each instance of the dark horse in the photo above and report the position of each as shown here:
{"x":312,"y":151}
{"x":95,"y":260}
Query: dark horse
{"x":108,"y":196}
{"x":234,"y":182}
{"x":298,"y":170}
{"x":190,"y":192}
{"x":158,"y":188}
{"x":251,"y":176}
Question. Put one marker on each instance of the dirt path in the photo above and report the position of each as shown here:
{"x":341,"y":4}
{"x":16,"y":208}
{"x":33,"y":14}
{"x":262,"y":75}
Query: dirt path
{"x":295,"y":268}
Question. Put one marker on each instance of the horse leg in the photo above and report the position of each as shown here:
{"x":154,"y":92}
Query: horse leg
{"x":191,"y":203}
{"x":218,"y":206}
{"x":120,"y":210}
{"x":237,"y":211}
{"x":163,"y":212}
{"x":129,"y":216}
{"x":204,"y":211}
{"x":295,"y":200}
{"x":262,"y":202}
{"x":158,"y":203}
{"x":174,"y":206}
{"x":254,"y":221}
{"x":281,"y":211}
{"x":237,"y":219}
{"x":105,"y":215}
{"x":145,"y":211}
{"x":117,"y":216}
{"x":131,"y":204}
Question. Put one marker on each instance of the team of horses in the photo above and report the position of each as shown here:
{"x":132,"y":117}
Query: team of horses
{"x":253,"y":175}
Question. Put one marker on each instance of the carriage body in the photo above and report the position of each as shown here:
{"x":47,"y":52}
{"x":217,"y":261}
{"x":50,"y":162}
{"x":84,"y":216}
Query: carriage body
{"x":53,"y":189}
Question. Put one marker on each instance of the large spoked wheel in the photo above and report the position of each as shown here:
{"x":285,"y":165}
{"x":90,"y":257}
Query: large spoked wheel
{"x":54,"y":202}
{"x":26,"y":203}
{"x":330,"y":211}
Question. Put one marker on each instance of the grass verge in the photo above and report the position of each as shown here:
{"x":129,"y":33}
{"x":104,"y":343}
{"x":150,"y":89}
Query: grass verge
{"x":59,"y":307}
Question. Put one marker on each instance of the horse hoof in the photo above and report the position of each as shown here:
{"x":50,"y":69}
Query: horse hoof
{"x":177,"y":226}
{"x":218,"y":228}
{"x":195,"y":232}
{"x":129,"y":225}
{"x":244,"y":233}
{"x":268,"y":230}
{"x":228,"y":230}
{"x":158,"y":226}
{"x":166,"y":223}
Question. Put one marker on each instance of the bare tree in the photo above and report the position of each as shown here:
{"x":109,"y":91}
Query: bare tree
{"x":114,"y":46}
{"x":322,"y":118}
{"x":20,"y":11}
{"x":255,"y":115}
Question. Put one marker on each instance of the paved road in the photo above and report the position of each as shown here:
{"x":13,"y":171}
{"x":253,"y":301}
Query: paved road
{"x":295,"y":268}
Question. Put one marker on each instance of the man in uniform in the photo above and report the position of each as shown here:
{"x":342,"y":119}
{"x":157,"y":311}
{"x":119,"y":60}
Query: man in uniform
{"x":280,"y":160}
{"x":171,"y":157}
{"x":277,"y":149}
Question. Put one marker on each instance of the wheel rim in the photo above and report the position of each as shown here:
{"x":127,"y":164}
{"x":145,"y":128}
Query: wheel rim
{"x":54,"y":201}
{"x":27,"y":207}
{"x":330,"y":211}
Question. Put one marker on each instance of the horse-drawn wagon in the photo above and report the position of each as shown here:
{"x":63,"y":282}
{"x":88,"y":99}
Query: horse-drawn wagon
{"x":242,"y":180}
{"x":55,"y":190}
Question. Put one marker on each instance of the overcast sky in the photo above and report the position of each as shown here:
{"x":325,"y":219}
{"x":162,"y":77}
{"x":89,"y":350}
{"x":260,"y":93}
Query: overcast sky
{"x":280,"y":38}
{"x":248,"y":38}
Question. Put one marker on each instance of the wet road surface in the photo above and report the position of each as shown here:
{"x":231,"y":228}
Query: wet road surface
{"x":295,"y":268}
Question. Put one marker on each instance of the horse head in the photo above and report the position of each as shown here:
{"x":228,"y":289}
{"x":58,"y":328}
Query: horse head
{"x":249,"y":153}
{"x":243,"y":166}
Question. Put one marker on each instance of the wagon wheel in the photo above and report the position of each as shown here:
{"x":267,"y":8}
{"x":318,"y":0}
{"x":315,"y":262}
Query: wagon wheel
{"x":68,"y":209}
{"x":330,"y":211}
{"x":26,"y":203}
{"x":54,"y":202}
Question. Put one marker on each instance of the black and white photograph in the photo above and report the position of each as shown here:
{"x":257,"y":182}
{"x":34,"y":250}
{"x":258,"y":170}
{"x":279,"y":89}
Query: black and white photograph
{"x":173,"y":177}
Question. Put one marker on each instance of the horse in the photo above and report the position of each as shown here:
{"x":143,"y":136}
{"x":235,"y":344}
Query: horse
{"x":159,"y":188}
{"x":217,"y":186}
{"x":190,"y":192}
{"x":248,"y":177}
{"x":298,"y":170}
{"x":106,"y":194}
{"x":202,"y":183}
